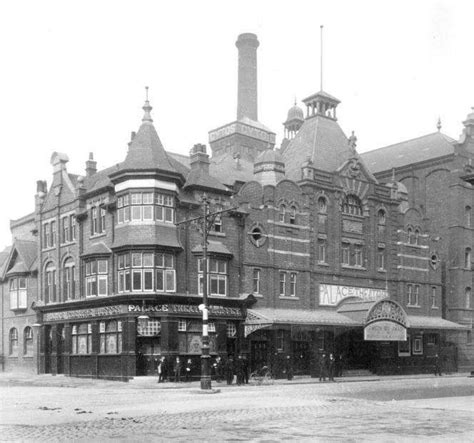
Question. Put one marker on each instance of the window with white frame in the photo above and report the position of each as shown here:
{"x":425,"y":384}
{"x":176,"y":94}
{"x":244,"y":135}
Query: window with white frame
{"x":65,"y":230}
{"x":293,"y":284}
{"x":96,"y":277}
{"x":434,"y":297}
{"x":231,"y":329}
{"x":145,"y":207}
{"x":81,"y":338}
{"x":345,"y":254}
{"x":28,"y":341}
{"x":18,"y":293}
{"x":468,"y":298}
{"x":381,"y":259}
{"x":53,"y":233}
{"x":50,"y":283}
{"x":146,"y":272}
{"x":182,"y":323}
{"x":94,"y":220}
{"x":217,"y":276}
{"x":418,"y":345}
{"x":211,"y":326}
{"x":46,"y":235}
{"x":110,"y":337}
{"x":322,"y":249}
{"x":358,"y":256}
{"x":282,"y":284}
{"x":217,"y":224}
{"x":69,"y":277}
{"x":467,"y":258}
{"x":413,"y":295}
{"x":73,"y":228}
{"x":13,"y":342}
{"x":256,"y":280}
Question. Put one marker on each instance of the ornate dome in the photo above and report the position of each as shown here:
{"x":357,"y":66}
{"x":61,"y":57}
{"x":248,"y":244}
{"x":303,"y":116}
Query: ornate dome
{"x":295,"y":113}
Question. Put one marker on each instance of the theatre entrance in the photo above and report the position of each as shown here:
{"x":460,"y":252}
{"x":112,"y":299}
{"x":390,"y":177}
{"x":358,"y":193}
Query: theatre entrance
{"x":355,"y":351}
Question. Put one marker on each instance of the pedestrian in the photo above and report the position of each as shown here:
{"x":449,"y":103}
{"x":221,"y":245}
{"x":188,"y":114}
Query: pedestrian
{"x":339,"y":365}
{"x":437,"y":365}
{"x":246,"y":369}
{"x":187,"y":370}
{"x":218,"y":369}
{"x":331,"y":367}
{"x":289,"y":367}
{"x":239,"y":370}
{"x":161,"y":370}
{"x":177,"y":370}
{"x":323,"y":367}
{"x":229,"y":370}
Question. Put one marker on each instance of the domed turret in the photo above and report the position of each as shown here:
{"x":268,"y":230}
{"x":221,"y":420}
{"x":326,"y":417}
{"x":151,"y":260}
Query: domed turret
{"x":269,"y":167}
{"x":293,"y":122}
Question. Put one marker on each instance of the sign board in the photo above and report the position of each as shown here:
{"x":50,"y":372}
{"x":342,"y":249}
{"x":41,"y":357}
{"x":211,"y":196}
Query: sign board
{"x":214,"y":310}
{"x":78,"y":314}
{"x":332,"y":295}
{"x":385,"y":330}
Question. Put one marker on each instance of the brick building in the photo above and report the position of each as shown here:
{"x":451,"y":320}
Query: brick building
{"x":314,"y":253}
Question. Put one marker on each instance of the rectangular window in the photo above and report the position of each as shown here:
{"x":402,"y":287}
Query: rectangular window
{"x":18,"y":293}
{"x":53,"y":233}
{"x":217,"y":225}
{"x":94,"y":221}
{"x":217,"y":277}
{"x":292,"y":284}
{"x":321,"y":251}
{"x":282,"y":283}
{"x":65,"y":230}
{"x":81,"y":339}
{"x":418,"y":345}
{"x":381,"y":259}
{"x":256,"y":281}
{"x":345,"y":259}
{"x":404,"y":349}
{"x":46,"y":235}
{"x":96,"y":278}
{"x":358,"y":256}
{"x":182,"y":325}
{"x":280,"y":340}
{"x":433,"y":298}
{"x":102,"y":220}
{"x":73,"y":228}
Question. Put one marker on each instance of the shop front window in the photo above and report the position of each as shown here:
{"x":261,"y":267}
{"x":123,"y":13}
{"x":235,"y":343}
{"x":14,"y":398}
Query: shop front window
{"x":81,"y":338}
{"x":110,"y":337}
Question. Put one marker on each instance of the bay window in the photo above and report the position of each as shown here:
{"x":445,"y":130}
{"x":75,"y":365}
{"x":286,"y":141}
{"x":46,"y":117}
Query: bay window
{"x":18,"y":297}
{"x":145,"y":207}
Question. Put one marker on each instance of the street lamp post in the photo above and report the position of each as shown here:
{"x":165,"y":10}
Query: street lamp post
{"x":206,"y":220}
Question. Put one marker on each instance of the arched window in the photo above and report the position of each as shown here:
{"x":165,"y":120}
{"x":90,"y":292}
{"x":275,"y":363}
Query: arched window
{"x":468,"y":296}
{"x":282,"y":213}
{"x":50,"y":283}
{"x":352,"y":205}
{"x":28,"y":341}
{"x":322,"y":205}
{"x":468,"y":216}
{"x":410,"y":235}
{"x":467,"y":258}
{"x":381,"y":217}
{"x":292,"y":215}
{"x":13,"y":341}
{"x":417,"y":236}
{"x":69,"y":277}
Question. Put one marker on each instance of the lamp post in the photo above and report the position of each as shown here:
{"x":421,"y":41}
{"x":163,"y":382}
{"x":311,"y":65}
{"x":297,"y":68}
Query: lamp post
{"x":206,"y":220}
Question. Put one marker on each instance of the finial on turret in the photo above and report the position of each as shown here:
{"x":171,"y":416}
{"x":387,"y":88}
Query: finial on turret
{"x":438,"y":125}
{"x":147,"y":108}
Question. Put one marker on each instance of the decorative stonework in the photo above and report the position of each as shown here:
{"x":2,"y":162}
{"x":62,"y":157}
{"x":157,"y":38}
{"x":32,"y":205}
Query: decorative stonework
{"x":387,"y":310}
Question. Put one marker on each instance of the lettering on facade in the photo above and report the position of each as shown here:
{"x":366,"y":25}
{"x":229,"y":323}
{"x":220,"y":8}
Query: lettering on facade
{"x":385,"y":330}
{"x":352,"y":226}
{"x":214,"y":311}
{"x":106,"y":311}
{"x":331,"y":295}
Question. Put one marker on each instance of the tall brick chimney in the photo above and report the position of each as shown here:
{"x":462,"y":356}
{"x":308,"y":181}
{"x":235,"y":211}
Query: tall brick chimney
{"x":247,"y":45}
{"x":91,"y":165}
{"x":199,"y":159}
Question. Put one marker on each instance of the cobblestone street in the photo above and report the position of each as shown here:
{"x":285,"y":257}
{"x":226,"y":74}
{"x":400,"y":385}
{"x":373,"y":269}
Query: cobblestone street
{"x":383,"y":410}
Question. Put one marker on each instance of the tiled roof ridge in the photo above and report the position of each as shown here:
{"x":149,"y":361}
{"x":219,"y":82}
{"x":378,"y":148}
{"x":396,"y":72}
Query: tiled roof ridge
{"x":446,"y":137}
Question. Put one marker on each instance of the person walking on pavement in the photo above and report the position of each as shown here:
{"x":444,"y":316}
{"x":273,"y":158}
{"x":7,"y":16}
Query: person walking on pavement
{"x":323,"y":363}
{"x":239,"y":370}
{"x":177,"y":370}
{"x":246,"y":369}
{"x":161,"y":370}
{"x":437,"y":365}
{"x":229,"y":370}
{"x":331,"y":367}
{"x":187,"y":370}
{"x":218,"y":365}
{"x":289,"y":368}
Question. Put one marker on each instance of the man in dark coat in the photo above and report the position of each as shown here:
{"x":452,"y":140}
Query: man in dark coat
{"x":177,"y":370}
{"x":246,"y":369}
{"x":331,"y":367}
{"x":323,"y":365}
{"x":188,"y":369}
{"x":437,"y":365}
{"x":229,"y":370}
{"x":239,"y":370}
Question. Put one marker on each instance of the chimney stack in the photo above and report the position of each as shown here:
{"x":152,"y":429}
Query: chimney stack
{"x":247,"y":45}
{"x":199,"y":158}
{"x":91,"y":165}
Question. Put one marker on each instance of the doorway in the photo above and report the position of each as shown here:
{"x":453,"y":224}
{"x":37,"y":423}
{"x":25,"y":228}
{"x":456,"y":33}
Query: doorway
{"x":258,"y":355}
{"x":148,"y":354}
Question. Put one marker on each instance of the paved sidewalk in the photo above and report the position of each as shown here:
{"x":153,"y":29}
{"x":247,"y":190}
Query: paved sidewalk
{"x":150,"y":382}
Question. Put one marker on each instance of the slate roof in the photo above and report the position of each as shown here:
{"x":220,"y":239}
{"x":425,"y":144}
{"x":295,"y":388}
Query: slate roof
{"x":424,"y":322}
{"x":199,"y":179}
{"x":27,"y":252}
{"x":4,"y":259}
{"x":147,"y":235}
{"x":215,"y":247}
{"x":408,"y":152}
{"x":98,"y":248}
{"x":101,"y":178}
{"x":320,"y":139}
{"x":296,"y":316}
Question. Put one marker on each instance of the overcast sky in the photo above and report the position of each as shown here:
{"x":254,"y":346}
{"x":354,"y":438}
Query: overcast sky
{"x":73,"y":74}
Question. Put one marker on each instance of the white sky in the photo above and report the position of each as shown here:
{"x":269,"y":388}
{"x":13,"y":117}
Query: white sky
{"x":72,"y":74}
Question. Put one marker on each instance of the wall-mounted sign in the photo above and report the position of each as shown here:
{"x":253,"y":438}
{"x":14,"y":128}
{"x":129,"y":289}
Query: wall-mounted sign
{"x":385,"y":330}
{"x":214,"y":311}
{"x":331,"y":295}
{"x":105,"y":311}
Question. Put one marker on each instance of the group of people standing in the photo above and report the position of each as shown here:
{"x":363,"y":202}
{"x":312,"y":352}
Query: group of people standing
{"x":174,"y":371}
{"x":329,"y":367}
{"x":229,"y":368}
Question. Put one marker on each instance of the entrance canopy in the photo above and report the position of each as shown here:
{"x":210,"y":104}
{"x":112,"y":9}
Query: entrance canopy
{"x":267,"y":317}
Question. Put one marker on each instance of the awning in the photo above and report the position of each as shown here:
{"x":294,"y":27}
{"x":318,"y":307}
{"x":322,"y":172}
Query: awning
{"x":266,"y":317}
{"x":421,"y":322}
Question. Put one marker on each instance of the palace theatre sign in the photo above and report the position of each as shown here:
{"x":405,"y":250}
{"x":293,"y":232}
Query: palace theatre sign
{"x":386,"y":321}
